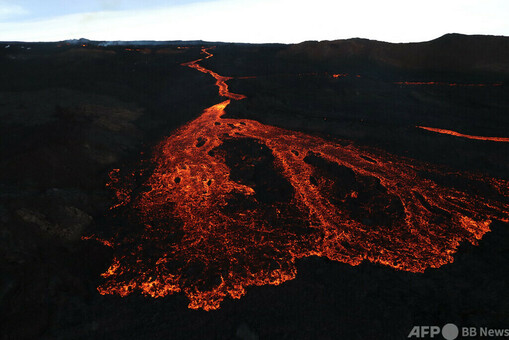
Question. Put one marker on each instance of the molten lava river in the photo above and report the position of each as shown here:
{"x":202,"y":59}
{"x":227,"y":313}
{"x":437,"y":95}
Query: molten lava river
{"x":224,"y":204}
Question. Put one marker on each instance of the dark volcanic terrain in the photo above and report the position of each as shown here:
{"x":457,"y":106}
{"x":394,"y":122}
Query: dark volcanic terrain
{"x":71,"y":112}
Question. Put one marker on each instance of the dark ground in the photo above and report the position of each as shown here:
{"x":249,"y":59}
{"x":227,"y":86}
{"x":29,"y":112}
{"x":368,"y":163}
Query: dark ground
{"x":70,"y":114}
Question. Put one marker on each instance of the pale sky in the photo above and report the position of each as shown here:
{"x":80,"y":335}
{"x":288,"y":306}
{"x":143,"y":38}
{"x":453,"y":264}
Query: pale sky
{"x":285,"y":21}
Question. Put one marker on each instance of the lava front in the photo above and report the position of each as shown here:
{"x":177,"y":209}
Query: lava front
{"x":224,"y":204}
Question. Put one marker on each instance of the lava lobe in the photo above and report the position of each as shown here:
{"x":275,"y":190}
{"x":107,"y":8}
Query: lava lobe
{"x":229,"y":203}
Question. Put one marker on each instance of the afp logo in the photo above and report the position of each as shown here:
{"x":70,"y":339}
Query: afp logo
{"x":449,"y":332}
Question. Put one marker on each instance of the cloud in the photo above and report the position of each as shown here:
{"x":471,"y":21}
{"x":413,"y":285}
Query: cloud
{"x":8,"y":11}
{"x":110,"y":4}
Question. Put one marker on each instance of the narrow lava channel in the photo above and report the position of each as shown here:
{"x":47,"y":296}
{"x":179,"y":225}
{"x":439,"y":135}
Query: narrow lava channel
{"x":214,"y":220}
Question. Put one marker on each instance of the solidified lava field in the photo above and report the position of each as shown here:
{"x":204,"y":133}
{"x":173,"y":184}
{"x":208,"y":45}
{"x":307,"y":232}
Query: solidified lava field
{"x":346,"y":189}
{"x":231,"y":203}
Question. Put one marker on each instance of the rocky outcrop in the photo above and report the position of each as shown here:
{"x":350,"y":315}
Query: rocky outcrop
{"x":68,"y":223}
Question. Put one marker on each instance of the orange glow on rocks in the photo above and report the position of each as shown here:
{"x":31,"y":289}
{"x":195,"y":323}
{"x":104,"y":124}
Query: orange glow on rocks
{"x":209,"y":233}
{"x":142,"y":50}
{"x":457,"y":134}
{"x":220,"y":80}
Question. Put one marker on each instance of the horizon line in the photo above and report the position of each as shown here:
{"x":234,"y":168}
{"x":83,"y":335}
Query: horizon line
{"x":237,"y":42}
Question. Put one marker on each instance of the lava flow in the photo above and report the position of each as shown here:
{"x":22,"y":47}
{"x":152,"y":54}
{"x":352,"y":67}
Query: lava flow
{"x":457,"y":134}
{"x":224,"y":204}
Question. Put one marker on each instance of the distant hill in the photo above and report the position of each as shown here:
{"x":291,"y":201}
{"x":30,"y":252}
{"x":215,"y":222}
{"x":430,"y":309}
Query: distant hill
{"x":451,"y":52}
{"x":141,"y":43}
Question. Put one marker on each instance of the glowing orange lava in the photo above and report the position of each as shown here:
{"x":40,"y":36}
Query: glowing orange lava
{"x":457,"y":134}
{"x":220,"y":80}
{"x":205,"y":231}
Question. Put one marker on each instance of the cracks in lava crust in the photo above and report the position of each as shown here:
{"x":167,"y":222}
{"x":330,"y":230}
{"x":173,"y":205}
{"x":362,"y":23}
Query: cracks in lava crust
{"x":229,"y":203}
